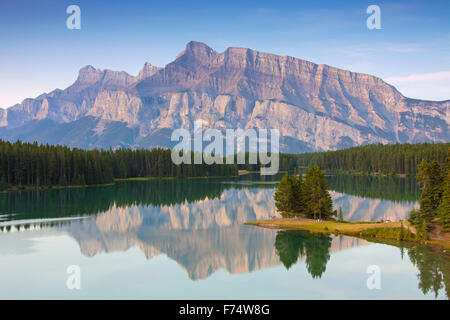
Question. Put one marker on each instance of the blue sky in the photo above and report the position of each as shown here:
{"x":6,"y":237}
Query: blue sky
{"x":38,"y":53}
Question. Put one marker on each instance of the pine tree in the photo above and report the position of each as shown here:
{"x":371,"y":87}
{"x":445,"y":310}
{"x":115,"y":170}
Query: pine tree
{"x":340,"y":215}
{"x":422,"y":231}
{"x":444,"y":208}
{"x":299,"y":201}
{"x":285,"y":196}
{"x":402,"y":231}
{"x":430,"y":176}
{"x":319,"y":204}
{"x":3,"y":183}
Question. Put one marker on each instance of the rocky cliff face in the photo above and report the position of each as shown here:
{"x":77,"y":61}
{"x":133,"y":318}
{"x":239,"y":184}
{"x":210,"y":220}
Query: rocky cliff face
{"x":315,"y":107}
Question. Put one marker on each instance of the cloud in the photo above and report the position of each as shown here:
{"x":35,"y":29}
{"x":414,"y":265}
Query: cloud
{"x":424,"y":77}
{"x":429,"y":86}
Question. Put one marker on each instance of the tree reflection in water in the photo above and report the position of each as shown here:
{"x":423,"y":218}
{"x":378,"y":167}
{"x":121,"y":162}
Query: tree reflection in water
{"x":290,"y":245}
{"x":433,"y":264}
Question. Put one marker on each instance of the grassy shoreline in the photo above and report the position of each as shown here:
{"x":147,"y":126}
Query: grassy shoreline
{"x":364,"y":230}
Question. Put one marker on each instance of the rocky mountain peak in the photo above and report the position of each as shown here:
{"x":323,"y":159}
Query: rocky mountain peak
{"x":147,"y":71}
{"x":103,"y":79}
{"x":89,"y":74}
{"x":197,"y":51}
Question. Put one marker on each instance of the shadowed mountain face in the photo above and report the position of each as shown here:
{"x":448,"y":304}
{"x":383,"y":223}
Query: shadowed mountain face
{"x":315,"y":107}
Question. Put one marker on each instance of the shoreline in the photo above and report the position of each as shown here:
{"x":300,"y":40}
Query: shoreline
{"x":75,"y":186}
{"x":36,"y":188}
{"x":363,"y":230}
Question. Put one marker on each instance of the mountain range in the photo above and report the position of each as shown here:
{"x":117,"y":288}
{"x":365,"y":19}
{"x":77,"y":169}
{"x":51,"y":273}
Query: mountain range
{"x":315,"y":107}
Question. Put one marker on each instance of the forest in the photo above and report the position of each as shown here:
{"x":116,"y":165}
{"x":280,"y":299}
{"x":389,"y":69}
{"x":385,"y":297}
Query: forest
{"x":401,"y":159}
{"x":31,"y":164}
{"x":390,"y":159}
{"x":35,"y":165}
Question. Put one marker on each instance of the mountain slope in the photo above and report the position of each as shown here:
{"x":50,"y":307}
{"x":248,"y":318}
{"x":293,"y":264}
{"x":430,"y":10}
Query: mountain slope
{"x":315,"y":107}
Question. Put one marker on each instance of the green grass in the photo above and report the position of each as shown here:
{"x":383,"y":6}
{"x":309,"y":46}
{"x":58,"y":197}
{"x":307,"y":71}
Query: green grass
{"x":364,"y":230}
{"x":389,"y":233}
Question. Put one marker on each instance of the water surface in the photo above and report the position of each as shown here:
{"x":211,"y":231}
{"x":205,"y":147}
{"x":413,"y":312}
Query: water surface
{"x":175,"y":239}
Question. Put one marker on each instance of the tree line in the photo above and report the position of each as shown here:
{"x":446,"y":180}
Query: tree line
{"x":377,"y":158}
{"x":32,"y":164}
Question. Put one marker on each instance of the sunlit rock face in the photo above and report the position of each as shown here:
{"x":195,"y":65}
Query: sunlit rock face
{"x":315,"y":107}
{"x":202,"y":236}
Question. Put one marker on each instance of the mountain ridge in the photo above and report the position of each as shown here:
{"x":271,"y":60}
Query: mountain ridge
{"x":315,"y":107}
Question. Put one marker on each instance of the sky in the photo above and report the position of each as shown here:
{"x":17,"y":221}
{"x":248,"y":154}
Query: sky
{"x":38,"y":53}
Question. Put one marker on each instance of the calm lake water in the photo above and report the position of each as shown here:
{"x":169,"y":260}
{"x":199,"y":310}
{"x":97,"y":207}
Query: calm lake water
{"x":176,"y":239}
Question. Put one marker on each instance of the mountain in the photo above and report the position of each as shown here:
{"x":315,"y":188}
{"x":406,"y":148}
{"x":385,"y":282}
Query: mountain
{"x":315,"y":107}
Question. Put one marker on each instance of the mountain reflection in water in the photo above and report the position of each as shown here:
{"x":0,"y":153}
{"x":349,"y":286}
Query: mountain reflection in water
{"x":199,"y":223}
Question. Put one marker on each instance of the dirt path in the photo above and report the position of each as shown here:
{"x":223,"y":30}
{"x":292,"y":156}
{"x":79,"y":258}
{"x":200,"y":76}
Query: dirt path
{"x":435,"y":234}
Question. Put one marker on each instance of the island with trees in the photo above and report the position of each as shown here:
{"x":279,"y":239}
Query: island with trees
{"x":305,"y":204}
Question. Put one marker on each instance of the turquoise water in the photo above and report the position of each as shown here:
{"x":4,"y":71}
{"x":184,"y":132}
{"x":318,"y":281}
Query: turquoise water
{"x":173,"y":239}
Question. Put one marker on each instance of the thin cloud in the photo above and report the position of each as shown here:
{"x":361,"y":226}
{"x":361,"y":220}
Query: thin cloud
{"x":424,"y":77}
{"x":429,"y":86}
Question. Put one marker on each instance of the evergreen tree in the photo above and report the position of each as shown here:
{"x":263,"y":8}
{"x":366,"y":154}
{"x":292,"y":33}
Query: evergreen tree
{"x":3,"y":183}
{"x":444,"y":208}
{"x":422,"y":230}
{"x":299,"y":201}
{"x":430,"y":177}
{"x":402,"y":231}
{"x":319,"y":204}
{"x":340,"y":215}
{"x":285,"y":196}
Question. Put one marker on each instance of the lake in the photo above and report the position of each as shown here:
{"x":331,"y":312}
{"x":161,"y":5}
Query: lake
{"x":186,"y":239}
